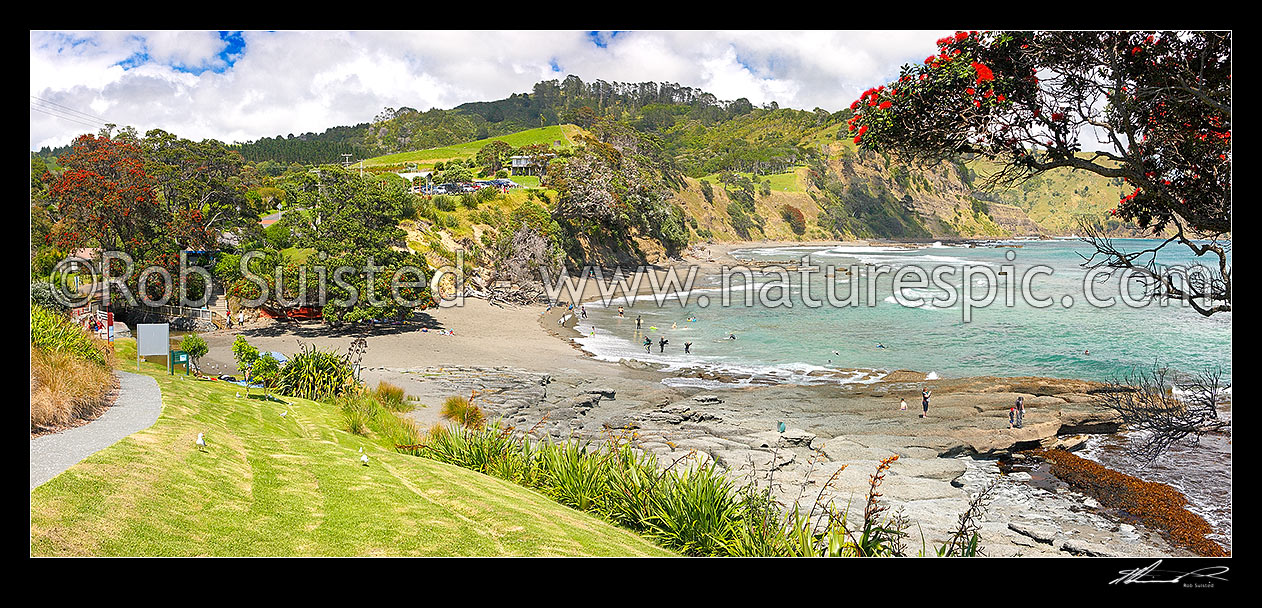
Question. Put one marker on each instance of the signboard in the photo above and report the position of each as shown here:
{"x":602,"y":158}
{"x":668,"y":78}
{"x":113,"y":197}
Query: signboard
{"x":152,"y":339}
{"x":177,"y":357}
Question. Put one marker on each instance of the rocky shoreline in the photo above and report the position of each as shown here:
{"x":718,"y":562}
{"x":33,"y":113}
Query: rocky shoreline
{"x":834,"y":437}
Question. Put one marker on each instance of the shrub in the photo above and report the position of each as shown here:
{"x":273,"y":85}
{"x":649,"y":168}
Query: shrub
{"x":488,"y":194}
{"x":195,"y":346}
{"x":696,"y":510}
{"x":42,"y":295}
{"x":244,"y":353}
{"x":315,"y":374}
{"x":793,"y":216}
{"x":264,"y":371}
{"x":53,"y":332}
{"x":501,"y":174}
{"x":464,"y":412}
{"x":469,"y":200}
{"x":444,"y":203}
{"x":707,"y":191}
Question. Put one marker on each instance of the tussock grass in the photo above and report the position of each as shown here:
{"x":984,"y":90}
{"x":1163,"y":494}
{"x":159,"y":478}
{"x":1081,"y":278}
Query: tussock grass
{"x":70,"y":371}
{"x":392,"y":397}
{"x":462,"y":411}
{"x":65,"y":388}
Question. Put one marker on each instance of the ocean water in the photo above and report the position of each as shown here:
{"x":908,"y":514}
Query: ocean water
{"x":925,"y":331}
{"x":844,"y":344}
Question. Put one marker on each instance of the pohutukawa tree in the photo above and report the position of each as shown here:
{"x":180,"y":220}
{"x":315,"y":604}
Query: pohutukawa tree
{"x":1156,"y":106}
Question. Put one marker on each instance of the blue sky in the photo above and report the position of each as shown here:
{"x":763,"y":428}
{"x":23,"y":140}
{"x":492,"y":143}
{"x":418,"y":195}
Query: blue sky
{"x":245,"y":85}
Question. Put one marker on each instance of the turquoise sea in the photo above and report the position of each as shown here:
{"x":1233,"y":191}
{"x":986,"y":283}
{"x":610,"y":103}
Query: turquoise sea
{"x":787,"y":343}
{"x":819,"y":345}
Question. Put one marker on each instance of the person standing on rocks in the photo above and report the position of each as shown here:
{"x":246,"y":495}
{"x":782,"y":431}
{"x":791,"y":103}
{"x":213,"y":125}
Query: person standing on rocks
{"x":924,"y":401}
{"x":1020,"y":411}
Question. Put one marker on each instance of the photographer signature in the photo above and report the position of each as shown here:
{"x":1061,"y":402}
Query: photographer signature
{"x":1149,"y":574}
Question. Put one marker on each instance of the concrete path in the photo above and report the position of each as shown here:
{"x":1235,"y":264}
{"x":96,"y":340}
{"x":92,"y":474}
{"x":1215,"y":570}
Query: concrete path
{"x":137,"y":408}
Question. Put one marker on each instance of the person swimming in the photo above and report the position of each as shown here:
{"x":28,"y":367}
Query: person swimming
{"x":731,"y":336}
{"x":879,"y":345}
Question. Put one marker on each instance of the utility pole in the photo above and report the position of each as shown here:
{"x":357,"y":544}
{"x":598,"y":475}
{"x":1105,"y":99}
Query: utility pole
{"x":346,"y":160}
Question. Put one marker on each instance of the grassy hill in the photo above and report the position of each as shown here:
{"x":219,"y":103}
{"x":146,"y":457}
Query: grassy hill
{"x":293,"y":485}
{"x":564,"y":134}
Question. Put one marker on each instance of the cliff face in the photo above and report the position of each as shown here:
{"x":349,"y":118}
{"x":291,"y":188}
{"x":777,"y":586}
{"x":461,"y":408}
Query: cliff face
{"x":852,"y":193}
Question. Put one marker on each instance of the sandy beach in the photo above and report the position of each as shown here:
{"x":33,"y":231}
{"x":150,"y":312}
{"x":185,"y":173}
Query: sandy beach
{"x":529,"y":373}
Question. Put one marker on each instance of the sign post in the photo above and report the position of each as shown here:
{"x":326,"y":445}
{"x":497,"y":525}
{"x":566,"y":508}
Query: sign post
{"x":152,"y":339}
{"x":176,"y":357}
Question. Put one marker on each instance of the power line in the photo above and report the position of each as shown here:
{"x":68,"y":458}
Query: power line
{"x":66,"y":118}
{"x":70,"y":110}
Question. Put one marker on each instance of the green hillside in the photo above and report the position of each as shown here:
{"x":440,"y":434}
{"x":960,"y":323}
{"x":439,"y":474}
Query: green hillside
{"x":426,"y":158}
{"x":292,"y":485}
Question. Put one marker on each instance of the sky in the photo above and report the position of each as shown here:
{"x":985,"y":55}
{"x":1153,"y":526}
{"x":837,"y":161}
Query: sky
{"x":239,"y":86}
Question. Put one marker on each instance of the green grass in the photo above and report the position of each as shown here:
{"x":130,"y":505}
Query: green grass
{"x":788,"y":181}
{"x":269,"y":485}
{"x":297,"y":255}
{"x":542,"y":135}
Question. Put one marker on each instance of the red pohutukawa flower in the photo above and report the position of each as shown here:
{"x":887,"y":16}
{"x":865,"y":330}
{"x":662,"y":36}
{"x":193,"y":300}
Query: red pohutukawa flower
{"x":983,"y":72}
{"x":885,"y":105}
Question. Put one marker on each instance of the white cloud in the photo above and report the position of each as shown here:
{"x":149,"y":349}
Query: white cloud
{"x":295,"y":82}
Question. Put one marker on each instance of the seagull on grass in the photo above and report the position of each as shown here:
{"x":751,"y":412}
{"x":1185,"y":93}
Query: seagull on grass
{"x":364,"y":459}
{"x":201,"y":441}
{"x":282,"y":414}
{"x":361,"y":449}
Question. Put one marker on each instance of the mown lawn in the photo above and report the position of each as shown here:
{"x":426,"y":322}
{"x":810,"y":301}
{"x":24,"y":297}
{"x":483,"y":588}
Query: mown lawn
{"x":293,"y":485}
{"x":542,"y":135}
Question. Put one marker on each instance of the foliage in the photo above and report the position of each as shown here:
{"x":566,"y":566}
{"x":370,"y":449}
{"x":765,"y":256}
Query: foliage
{"x":53,"y":332}
{"x":793,"y":216}
{"x":66,"y":387}
{"x":195,"y":346}
{"x":244,"y":353}
{"x":683,"y":505}
{"x":1159,"y":101}
{"x":315,"y":374}
{"x":462,"y":411}
{"x":391,"y":396}
{"x":43,"y":295}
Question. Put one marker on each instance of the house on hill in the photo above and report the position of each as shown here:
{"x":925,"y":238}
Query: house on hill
{"x":528,"y":164}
